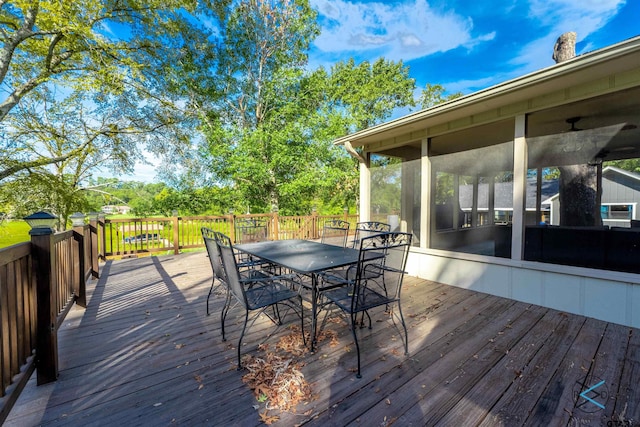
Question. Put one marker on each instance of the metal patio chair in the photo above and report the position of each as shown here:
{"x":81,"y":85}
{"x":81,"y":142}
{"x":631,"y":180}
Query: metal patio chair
{"x":369,"y":228}
{"x":208,"y":235}
{"x":247,"y":269}
{"x":334,"y":232}
{"x":375,"y":284}
{"x":255,"y":292}
{"x":249,"y":230}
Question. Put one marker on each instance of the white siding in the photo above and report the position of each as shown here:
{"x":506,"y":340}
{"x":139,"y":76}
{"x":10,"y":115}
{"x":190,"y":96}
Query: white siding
{"x":609,"y":296}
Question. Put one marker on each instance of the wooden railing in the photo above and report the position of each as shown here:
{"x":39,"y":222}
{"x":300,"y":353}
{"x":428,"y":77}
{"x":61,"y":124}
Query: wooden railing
{"x":39,"y":282}
{"x":138,"y":236}
{"x":18,"y":315}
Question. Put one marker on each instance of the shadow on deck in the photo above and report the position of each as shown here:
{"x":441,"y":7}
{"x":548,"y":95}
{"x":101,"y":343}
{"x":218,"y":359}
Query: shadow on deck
{"x":145,"y":353}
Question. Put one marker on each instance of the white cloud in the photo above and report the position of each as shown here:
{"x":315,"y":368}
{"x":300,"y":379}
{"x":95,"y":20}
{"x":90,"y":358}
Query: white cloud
{"x":560,"y":16}
{"x":397,"y":31}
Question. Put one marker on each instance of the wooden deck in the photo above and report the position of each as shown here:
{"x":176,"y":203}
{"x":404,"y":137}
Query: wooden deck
{"x":145,"y":353}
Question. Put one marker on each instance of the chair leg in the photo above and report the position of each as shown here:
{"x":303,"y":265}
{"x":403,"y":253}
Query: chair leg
{"x":244,"y":328}
{"x":276,"y":314}
{"x":225,"y":310}
{"x":406,"y":334}
{"x":304,"y":339}
{"x":210,"y":291}
{"x":355,"y":338}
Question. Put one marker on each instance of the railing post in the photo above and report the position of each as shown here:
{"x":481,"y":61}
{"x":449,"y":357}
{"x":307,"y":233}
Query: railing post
{"x":47,"y":340}
{"x":102,"y":234}
{"x":314,"y":224}
{"x":275,"y":234}
{"x":81,"y":296}
{"x":93,"y":232}
{"x":232,"y":227}
{"x":176,"y":235}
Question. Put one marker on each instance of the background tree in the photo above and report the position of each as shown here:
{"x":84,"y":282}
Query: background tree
{"x":366,"y":94}
{"x":68,"y":44}
{"x":434,"y":94}
{"x":82,"y":87}
{"x":47,"y":128}
{"x":271,"y":123}
{"x":578,"y":184}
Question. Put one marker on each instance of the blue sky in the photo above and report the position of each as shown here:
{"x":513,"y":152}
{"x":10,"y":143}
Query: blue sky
{"x":467,"y":45}
{"x":464,"y":45}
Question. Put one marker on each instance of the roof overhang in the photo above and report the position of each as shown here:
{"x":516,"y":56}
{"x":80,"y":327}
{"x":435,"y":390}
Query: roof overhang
{"x":522,"y":92}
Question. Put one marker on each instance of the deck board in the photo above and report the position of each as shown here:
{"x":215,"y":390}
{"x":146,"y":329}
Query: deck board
{"x":144,"y":352}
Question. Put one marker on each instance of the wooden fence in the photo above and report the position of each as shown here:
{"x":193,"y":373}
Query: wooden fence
{"x":40,"y":280}
{"x":138,"y":236}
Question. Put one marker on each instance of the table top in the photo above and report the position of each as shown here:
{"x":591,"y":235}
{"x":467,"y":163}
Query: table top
{"x":303,"y":256}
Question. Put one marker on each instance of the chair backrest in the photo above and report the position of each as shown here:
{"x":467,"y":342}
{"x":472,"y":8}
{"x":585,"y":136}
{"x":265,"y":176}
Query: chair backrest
{"x":385,"y":276}
{"x":249,"y":230}
{"x":208,"y":235}
{"x":334,"y":232}
{"x":230,"y":268}
{"x":369,"y":228}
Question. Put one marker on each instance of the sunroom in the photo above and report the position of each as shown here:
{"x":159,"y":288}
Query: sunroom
{"x":476,"y":181}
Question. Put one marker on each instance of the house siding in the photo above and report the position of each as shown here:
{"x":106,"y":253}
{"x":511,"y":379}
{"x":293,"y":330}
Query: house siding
{"x":570,"y":289}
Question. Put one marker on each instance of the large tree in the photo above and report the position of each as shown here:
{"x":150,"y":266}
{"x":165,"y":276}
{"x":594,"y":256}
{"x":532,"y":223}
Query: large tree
{"x":102,"y":47}
{"x":269,"y":130}
{"x":578,"y":189}
{"x":88,"y":86}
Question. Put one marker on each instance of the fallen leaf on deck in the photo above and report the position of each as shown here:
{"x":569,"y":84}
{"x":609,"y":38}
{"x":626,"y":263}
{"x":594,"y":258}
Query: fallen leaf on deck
{"x":268,"y":419}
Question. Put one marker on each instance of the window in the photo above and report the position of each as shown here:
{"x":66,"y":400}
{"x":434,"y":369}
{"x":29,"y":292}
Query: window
{"x":611,"y":211}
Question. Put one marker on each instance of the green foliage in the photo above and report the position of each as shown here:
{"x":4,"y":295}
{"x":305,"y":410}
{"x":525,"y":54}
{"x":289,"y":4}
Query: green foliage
{"x":368,"y":93}
{"x":78,"y":98}
{"x":187,"y":202}
{"x":218,"y":89}
{"x":269,"y":123}
{"x":386,"y":177}
{"x":433,"y":95}
{"x":631,"y":165}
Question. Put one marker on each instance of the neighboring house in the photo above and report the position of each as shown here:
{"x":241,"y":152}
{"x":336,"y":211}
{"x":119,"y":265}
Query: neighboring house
{"x":583,"y":111}
{"x":503,"y":202}
{"x":620,"y":198}
{"x":116,"y":209}
{"x":619,"y":205}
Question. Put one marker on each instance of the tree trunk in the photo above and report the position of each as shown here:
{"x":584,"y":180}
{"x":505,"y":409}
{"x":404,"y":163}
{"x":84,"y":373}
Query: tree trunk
{"x":565,"y":47}
{"x":578,"y":195}
{"x":578,"y":183}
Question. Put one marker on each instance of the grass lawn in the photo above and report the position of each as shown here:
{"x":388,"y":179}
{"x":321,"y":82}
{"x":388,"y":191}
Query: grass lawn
{"x":12,"y":232}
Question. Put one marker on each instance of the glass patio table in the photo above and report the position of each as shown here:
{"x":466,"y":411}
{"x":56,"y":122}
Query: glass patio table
{"x":308,"y":258}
